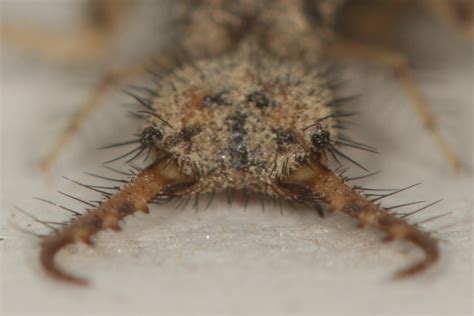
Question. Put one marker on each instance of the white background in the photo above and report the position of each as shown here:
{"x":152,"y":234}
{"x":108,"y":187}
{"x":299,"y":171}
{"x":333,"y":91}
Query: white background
{"x":224,"y":259}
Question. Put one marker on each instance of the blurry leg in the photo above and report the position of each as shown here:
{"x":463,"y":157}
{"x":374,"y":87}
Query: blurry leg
{"x":458,"y":13}
{"x":110,"y":80}
{"x":88,"y":45}
{"x":84,"y":47}
{"x":398,"y":63}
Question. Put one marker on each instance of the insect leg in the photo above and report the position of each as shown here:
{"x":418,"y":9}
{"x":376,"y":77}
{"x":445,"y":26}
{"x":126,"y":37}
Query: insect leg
{"x":458,"y":13}
{"x":343,"y":198}
{"x":88,"y":45}
{"x":399,"y":64}
{"x":109,"y":80}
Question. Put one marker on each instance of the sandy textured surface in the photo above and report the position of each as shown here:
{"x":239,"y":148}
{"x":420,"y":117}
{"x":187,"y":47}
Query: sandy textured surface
{"x":224,"y":259}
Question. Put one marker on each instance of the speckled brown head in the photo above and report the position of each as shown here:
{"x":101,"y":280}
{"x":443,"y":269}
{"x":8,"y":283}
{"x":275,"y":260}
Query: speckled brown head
{"x":242,"y":121}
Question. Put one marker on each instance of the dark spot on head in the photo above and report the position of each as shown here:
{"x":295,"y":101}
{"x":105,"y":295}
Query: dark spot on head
{"x":238,"y":140}
{"x":218,"y":99}
{"x":284,"y":137}
{"x":187,"y":133}
{"x":239,"y":155}
{"x":321,"y":139}
{"x":300,"y":159}
{"x":261,"y":100}
{"x":151,"y":135}
{"x":237,"y":120}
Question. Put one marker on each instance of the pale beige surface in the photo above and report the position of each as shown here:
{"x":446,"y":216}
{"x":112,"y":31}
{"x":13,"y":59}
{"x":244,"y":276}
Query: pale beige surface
{"x":224,"y":260}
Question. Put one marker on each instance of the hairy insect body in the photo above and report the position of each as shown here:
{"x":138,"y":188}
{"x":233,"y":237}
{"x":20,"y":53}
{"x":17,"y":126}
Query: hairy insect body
{"x":239,"y":121}
{"x":250,"y":109}
{"x":255,"y":82}
{"x":296,"y":29}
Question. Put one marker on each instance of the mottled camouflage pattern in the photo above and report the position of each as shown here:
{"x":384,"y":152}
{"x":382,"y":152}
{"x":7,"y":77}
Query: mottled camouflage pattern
{"x":240,"y":121}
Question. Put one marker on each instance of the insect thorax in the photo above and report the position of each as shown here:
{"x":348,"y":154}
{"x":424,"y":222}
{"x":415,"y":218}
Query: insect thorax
{"x":288,"y":29}
{"x":240,"y":121}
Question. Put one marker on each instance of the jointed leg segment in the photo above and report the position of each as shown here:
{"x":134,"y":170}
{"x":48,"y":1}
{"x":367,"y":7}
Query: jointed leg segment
{"x":109,"y":81}
{"x":398,"y":63}
{"x":458,"y":13}
{"x":89,"y":44}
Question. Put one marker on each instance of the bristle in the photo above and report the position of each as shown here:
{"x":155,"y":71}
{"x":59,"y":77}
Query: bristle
{"x":151,"y":92}
{"x":338,"y":152}
{"x":403,"y":205}
{"x":37,"y":220}
{"x":137,"y":151}
{"x":363,"y":176}
{"x":433,"y":218}
{"x":77,"y":199}
{"x":60,"y":206}
{"x":396,"y":192}
{"x":90,"y":187}
{"x":105,"y":178}
{"x":147,"y":103}
{"x":114,"y":145}
{"x":420,"y":209}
